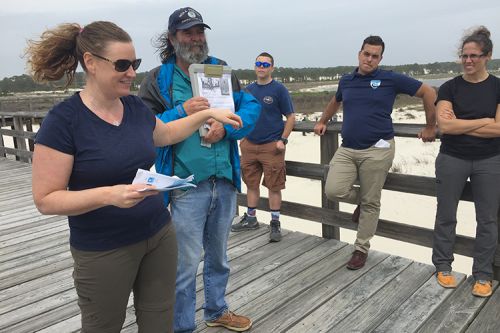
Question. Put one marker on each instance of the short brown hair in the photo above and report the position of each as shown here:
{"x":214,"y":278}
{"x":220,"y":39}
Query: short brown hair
{"x":265,"y":54}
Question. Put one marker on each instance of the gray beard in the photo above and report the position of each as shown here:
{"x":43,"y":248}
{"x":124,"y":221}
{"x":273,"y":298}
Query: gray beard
{"x":182,"y":50}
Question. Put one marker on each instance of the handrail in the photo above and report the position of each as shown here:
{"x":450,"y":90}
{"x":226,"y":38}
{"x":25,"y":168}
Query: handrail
{"x":329,"y":215}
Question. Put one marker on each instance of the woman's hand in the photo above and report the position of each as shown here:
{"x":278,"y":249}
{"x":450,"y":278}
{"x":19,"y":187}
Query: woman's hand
{"x":126,"y":196}
{"x":226,"y":116}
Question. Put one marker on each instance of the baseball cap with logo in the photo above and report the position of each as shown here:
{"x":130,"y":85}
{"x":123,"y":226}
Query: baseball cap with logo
{"x":184,"y":18}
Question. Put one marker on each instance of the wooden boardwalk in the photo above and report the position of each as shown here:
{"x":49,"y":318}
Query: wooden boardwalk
{"x":297,"y":285}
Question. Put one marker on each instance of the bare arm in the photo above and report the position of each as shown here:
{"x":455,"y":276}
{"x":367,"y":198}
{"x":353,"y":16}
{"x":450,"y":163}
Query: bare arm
{"x":490,"y":130}
{"x":166,"y":134}
{"x":290,"y":122}
{"x":332,"y":108}
{"x":428,"y":96}
{"x":51,"y":172}
{"x":449,"y":124}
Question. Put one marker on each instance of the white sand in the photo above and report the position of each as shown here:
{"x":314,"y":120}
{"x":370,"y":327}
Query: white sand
{"x":412,"y":157}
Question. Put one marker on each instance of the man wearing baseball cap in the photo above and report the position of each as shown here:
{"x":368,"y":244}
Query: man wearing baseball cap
{"x":202,"y":215}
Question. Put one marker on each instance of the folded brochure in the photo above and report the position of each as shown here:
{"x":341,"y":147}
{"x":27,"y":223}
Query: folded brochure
{"x":161,"y":182}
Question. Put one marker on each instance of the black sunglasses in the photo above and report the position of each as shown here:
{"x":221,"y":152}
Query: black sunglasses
{"x":122,"y":65}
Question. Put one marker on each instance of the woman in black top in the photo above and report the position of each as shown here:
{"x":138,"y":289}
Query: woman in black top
{"x":468,"y":109}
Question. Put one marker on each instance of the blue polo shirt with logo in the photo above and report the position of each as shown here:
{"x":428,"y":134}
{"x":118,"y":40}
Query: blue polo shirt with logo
{"x":276,"y":103}
{"x":368,"y":101}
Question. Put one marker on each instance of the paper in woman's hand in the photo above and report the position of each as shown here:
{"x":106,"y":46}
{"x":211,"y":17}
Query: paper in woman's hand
{"x":159,"y":182}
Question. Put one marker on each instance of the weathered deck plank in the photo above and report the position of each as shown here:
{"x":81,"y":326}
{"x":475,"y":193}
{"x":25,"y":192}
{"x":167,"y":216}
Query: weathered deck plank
{"x":417,"y":308}
{"x":457,"y":312}
{"x":386,"y":300}
{"x":488,"y":319}
{"x":345,"y":300}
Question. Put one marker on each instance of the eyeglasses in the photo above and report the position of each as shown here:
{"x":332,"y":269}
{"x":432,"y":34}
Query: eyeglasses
{"x":472,"y":57}
{"x":122,"y":65}
{"x":262,"y":64}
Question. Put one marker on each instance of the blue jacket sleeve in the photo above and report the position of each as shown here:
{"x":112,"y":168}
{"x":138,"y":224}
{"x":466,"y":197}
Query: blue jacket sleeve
{"x":248,"y":108}
{"x":172,"y":114}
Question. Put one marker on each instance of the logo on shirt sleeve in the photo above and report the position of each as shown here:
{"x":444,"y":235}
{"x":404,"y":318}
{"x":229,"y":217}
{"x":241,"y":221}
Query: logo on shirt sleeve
{"x":375,"y":83}
{"x":268,"y":100}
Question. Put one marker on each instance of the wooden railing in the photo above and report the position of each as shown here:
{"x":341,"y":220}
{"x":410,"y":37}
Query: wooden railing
{"x":20,"y":129}
{"x":329,"y":215}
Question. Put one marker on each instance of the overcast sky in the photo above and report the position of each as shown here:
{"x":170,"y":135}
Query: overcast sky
{"x":314,"y":33}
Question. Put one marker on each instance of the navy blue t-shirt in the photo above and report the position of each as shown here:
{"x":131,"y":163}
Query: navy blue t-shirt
{"x":276,"y":102}
{"x":368,"y":101}
{"x":106,"y":155}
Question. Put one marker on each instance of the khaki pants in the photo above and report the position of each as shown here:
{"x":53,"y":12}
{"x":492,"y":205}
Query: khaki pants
{"x":104,"y":279}
{"x":370,"y":166}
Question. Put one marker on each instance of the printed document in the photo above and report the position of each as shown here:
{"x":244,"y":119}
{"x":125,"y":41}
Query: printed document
{"x":159,"y":182}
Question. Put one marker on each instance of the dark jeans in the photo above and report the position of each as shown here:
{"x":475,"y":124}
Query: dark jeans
{"x":104,"y":279}
{"x":451,"y":176}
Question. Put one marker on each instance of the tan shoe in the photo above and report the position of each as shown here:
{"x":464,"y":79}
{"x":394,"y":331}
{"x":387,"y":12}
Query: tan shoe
{"x":446,"y":279}
{"x":231,"y":321}
{"x":482,"y":288}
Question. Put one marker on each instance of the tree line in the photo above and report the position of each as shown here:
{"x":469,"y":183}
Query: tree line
{"x":24,"y":83}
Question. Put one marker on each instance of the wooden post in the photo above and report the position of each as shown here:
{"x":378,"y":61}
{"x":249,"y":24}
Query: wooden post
{"x":20,"y":143}
{"x":29,"y":128}
{"x":2,"y":144}
{"x":329,"y":143}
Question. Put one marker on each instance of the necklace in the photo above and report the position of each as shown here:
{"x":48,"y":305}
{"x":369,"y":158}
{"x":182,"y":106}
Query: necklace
{"x":113,"y":116}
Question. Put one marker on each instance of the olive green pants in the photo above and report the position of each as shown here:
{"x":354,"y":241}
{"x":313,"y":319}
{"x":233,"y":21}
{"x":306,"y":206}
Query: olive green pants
{"x":104,"y":280}
{"x":370,"y":166}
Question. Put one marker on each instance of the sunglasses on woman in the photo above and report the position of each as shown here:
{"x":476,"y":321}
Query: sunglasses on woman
{"x":122,"y":65}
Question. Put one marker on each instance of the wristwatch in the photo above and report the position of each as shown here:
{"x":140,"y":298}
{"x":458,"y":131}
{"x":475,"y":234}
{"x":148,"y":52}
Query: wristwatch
{"x":284,"y":140}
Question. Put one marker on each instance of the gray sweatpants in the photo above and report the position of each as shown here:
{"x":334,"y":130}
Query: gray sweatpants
{"x":104,"y":279}
{"x":451,"y":176}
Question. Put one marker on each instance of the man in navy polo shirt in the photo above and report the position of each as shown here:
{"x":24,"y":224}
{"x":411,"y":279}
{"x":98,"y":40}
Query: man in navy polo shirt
{"x":263,"y":150}
{"x":367,"y":149}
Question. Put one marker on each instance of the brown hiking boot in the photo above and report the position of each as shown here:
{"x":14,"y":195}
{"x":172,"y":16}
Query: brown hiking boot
{"x":231,"y":321}
{"x":358,"y":260}
{"x":446,"y":279}
{"x":355,"y":214}
{"x":482,"y":288}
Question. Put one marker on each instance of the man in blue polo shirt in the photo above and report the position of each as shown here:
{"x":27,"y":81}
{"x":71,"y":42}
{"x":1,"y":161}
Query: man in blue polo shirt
{"x":367,"y":149}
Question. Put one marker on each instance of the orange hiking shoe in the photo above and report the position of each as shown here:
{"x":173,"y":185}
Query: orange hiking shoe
{"x":231,"y":321}
{"x":446,"y":279}
{"x":482,"y":288}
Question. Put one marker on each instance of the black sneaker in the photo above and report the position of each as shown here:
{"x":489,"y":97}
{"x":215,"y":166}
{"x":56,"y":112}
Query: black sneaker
{"x":246,"y":222}
{"x":275,"y":235}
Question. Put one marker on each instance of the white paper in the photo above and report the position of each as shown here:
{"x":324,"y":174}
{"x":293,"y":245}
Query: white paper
{"x":218,"y":90}
{"x":161,"y":182}
{"x":382,"y":144}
